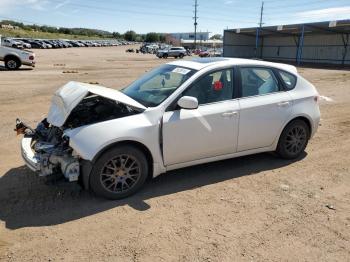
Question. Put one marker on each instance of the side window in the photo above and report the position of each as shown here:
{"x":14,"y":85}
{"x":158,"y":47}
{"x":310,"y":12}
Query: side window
{"x":288,"y":79}
{"x":214,"y":87}
{"x":258,"y":81}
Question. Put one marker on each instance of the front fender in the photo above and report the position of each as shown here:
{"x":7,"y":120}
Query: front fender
{"x":89,"y":140}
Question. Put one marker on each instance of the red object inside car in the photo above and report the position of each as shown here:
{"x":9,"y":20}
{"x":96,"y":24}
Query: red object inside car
{"x":218,"y":85}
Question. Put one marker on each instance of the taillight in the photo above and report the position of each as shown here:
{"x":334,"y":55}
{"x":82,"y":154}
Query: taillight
{"x":31,"y":57}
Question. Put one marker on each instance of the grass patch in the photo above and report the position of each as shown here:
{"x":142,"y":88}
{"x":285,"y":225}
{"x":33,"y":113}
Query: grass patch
{"x":42,"y":35}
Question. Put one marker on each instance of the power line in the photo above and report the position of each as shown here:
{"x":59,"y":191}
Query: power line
{"x":126,"y":10}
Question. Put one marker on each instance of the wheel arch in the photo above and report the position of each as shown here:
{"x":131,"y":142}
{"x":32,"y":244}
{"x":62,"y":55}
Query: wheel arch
{"x":88,"y":165}
{"x":304,"y":118}
{"x":134,"y":143}
{"x":9,"y":56}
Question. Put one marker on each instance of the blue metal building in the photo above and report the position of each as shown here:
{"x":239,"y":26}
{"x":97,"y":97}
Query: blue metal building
{"x":321,"y":43}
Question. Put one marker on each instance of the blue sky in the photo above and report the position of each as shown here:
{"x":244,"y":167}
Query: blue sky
{"x":170,"y":15}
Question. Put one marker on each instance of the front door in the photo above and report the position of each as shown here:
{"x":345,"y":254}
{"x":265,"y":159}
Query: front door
{"x":208,"y":131}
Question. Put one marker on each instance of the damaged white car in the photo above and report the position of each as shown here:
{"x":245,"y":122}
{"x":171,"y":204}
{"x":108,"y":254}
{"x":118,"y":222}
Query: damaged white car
{"x":180,"y":114}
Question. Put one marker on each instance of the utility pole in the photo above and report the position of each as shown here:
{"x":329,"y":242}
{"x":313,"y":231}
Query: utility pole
{"x":195,"y":23}
{"x":258,"y":30}
{"x":261,"y":14}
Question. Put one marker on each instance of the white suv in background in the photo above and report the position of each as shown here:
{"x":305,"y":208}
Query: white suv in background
{"x":177,"y":52}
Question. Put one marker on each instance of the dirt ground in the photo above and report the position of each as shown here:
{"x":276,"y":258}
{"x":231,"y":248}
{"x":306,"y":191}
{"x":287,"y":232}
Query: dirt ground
{"x":255,"y":208}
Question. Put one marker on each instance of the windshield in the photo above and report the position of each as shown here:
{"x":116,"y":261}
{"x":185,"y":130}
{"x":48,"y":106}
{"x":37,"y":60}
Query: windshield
{"x":156,"y":86}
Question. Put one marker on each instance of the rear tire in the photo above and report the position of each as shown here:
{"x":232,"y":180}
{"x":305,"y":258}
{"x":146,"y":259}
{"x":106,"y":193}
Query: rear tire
{"x":293,"y":139}
{"x":119,"y":172}
{"x":165,"y":56}
{"x":181,"y":56}
{"x":12,"y":63}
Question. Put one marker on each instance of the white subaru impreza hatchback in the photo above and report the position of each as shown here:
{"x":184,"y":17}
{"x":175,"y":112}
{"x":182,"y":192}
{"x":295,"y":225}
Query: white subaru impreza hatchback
{"x":180,"y":114}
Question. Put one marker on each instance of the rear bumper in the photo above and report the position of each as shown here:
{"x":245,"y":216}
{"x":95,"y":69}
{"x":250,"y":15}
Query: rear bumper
{"x":28,"y":155}
{"x":32,"y":63}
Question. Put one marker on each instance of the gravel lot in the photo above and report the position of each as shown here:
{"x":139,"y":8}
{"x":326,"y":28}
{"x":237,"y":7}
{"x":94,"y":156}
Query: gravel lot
{"x":255,"y":208}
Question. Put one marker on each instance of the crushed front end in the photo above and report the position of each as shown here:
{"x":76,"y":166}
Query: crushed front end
{"x":46,"y":150}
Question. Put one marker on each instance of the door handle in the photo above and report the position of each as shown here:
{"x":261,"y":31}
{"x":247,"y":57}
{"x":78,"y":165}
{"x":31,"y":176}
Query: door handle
{"x":229,"y":114}
{"x":283,"y":104}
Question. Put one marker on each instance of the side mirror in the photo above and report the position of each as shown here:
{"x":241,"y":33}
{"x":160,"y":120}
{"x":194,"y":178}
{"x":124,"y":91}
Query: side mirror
{"x":188,"y":102}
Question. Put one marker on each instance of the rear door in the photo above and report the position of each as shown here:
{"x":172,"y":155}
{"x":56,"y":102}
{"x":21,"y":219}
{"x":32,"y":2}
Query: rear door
{"x":264,"y":107}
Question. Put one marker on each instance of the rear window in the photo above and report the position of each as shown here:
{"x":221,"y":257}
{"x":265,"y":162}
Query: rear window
{"x":288,"y":79}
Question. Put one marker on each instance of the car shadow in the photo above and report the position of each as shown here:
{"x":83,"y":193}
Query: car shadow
{"x":3,"y":68}
{"x":27,"y":200}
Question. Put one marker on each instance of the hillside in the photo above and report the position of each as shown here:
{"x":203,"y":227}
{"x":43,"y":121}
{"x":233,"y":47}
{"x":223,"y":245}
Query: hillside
{"x":42,"y":35}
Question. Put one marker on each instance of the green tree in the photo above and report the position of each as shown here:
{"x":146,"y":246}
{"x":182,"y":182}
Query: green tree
{"x":152,"y":37}
{"x":217,"y":37}
{"x":130,"y":35}
{"x":116,"y":35}
{"x":162,"y":38}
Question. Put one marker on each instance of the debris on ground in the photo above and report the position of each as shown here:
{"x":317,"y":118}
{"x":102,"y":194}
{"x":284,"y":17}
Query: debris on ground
{"x":284,"y":187}
{"x":330,"y":207}
{"x":70,"y":72}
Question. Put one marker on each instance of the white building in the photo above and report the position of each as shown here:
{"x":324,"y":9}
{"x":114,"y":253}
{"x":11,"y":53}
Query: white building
{"x":190,"y":36}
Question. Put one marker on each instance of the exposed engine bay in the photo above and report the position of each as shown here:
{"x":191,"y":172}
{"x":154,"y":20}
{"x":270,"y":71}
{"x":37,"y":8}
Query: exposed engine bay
{"x":49,"y":144}
{"x":94,"y":109}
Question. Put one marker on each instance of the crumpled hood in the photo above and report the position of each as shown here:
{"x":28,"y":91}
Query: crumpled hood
{"x":70,"y":95}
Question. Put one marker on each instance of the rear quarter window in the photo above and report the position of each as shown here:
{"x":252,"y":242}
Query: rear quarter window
{"x":288,"y":79}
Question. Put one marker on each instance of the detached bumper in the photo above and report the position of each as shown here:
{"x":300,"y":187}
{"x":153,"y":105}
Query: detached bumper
{"x":28,"y":155}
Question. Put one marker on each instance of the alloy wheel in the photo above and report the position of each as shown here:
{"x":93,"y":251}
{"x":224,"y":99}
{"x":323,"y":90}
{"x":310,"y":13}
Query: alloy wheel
{"x":120,"y":173}
{"x":295,"y":140}
{"x":12,"y":64}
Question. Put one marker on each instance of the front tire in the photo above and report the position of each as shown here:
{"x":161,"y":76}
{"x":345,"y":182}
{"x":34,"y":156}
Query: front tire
{"x":119,"y":172}
{"x":165,"y":56}
{"x":293,"y":139}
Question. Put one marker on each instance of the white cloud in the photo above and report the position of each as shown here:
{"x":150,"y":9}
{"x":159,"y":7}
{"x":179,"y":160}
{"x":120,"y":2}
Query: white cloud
{"x":7,"y":5}
{"x":228,"y":2}
{"x":327,"y":13}
{"x":61,"y":4}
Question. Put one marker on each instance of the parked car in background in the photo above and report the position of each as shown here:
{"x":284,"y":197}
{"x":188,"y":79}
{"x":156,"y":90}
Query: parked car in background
{"x":59,"y":43}
{"x":31,"y":42}
{"x":14,"y":58}
{"x":180,"y":114}
{"x":24,"y":44}
{"x":43,"y":44}
{"x":11,"y":43}
{"x":204,"y":54}
{"x":177,"y":52}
